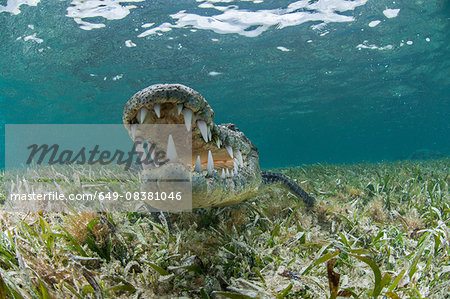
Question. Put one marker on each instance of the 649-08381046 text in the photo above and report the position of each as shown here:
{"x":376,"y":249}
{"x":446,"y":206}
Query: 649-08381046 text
{"x":102,"y":196}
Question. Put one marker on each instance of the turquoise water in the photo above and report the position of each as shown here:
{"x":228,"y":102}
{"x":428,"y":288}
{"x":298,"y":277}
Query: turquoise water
{"x":307,"y":81}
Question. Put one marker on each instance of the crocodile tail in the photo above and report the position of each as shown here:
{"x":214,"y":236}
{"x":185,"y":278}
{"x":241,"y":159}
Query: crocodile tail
{"x":274,"y":177}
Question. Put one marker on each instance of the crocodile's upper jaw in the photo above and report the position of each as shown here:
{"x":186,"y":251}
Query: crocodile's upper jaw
{"x":235,"y":174}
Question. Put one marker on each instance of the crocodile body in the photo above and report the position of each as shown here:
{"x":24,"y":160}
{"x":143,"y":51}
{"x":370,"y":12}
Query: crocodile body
{"x":225,"y":167}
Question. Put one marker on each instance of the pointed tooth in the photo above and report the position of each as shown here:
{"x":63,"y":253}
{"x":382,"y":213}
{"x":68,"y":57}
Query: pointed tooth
{"x":187,"y":113}
{"x":180,"y":107}
{"x":152,"y":154}
{"x":223,"y":174}
{"x":210,"y":165}
{"x":142,"y":114}
{"x":229,"y":150}
{"x":228,"y":173}
{"x":157,"y":109}
{"x":239,"y":156}
{"x":171,"y":150}
{"x":201,"y":124}
{"x":218,"y":142}
{"x":198,"y":165}
{"x":236,"y":165}
{"x":133,"y":130}
{"x":209,"y":133}
{"x":155,"y":163}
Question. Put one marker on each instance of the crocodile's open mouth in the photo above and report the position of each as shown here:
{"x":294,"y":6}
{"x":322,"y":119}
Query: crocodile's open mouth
{"x":224,"y":160}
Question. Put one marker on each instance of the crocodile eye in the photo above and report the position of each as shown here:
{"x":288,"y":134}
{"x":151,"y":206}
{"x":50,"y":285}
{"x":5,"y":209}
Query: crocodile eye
{"x":231,"y":127}
{"x":224,"y":167}
{"x":215,"y":149}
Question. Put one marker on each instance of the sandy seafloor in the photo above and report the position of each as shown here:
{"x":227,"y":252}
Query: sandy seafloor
{"x":376,"y":230}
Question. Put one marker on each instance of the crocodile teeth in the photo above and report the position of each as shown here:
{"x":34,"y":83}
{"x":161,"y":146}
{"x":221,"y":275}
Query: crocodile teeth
{"x":142,"y":114}
{"x":236,"y":166}
{"x":201,"y":124}
{"x":133,"y":130}
{"x":140,"y":150}
{"x":228,"y":173}
{"x":157,"y":109}
{"x":152,"y":153}
{"x":239,"y":156}
{"x":218,"y":142}
{"x":223,"y":174}
{"x":198,"y":165}
{"x":187,"y":113}
{"x":210,"y":165}
{"x":171,"y":150}
{"x":229,"y":150}
{"x":209,"y":133}
{"x":180,"y":107}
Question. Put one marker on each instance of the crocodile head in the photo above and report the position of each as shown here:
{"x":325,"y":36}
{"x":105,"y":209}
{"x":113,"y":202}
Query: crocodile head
{"x":225,"y":164}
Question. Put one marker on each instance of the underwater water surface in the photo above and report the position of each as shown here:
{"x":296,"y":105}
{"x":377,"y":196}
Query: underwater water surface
{"x":307,"y":81}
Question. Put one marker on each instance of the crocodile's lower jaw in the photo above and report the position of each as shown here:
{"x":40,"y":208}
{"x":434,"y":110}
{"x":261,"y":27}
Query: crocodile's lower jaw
{"x":225,"y":166}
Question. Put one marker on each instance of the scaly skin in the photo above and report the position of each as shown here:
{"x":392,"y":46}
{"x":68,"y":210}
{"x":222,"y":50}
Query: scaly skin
{"x":209,"y":189}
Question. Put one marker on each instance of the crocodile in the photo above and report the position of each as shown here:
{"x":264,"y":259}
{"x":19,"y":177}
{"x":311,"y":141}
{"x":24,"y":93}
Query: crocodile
{"x":225,"y":168}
